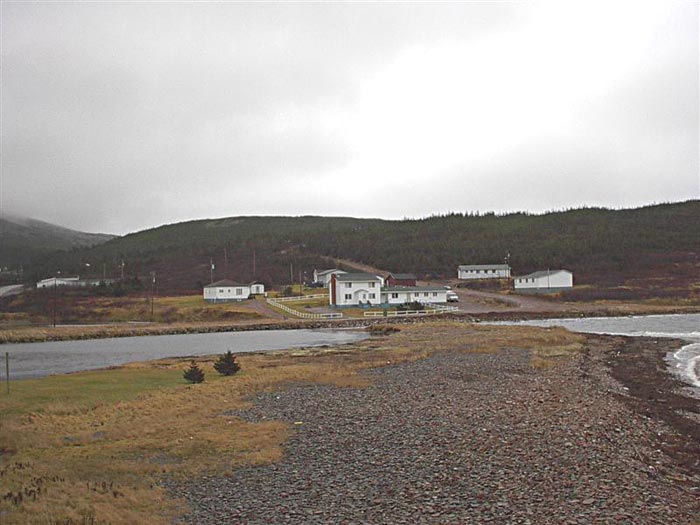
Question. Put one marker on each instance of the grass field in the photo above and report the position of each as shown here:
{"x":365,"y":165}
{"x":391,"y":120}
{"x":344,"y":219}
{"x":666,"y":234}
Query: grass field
{"x":73,"y":307}
{"x":91,"y":447}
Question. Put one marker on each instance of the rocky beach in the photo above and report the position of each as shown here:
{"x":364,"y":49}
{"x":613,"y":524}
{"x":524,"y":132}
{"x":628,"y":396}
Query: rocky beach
{"x":604,"y":435}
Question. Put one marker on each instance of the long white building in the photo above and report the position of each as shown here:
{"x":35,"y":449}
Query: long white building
{"x":483,"y":271}
{"x":547,"y":281}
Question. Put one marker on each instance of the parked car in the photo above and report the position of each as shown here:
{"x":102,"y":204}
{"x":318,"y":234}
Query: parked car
{"x":452,"y":297}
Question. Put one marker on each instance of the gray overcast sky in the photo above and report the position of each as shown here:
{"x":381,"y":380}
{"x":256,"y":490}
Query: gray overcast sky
{"x":122,"y":116}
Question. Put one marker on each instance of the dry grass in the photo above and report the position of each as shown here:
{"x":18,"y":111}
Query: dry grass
{"x":91,"y":446}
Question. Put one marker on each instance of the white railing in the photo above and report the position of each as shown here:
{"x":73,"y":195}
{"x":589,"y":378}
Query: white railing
{"x":303,"y":315}
{"x":300,"y":298}
{"x":434,"y":310}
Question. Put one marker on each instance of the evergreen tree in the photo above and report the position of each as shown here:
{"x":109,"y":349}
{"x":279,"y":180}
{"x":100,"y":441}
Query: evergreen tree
{"x":194,"y":374}
{"x":226,"y":364}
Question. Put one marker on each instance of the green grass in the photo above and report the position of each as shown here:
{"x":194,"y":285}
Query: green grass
{"x":86,"y":390}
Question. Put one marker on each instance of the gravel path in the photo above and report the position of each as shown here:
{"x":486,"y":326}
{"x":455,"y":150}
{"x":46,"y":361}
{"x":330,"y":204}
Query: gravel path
{"x":456,"y":439}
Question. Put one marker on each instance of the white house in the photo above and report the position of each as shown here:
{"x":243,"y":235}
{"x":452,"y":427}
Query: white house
{"x":393,"y":295}
{"x":226,"y":290}
{"x":354,"y":289}
{"x":544,"y":282}
{"x":324,"y":276}
{"x":72,"y":282}
{"x":483,"y":271}
{"x":257,"y":289}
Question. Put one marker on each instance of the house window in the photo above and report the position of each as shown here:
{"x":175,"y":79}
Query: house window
{"x":415,"y":294}
{"x":394,"y":296}
{"x":348,"y":285}
{"x":348,"y":296}
{"x":239,"y":291}
{"x":425,"y":294}
{"x":221,"y":290}
{"x":434,"y":294}
{"x":372,"y":296}
{"x":371,"y":285}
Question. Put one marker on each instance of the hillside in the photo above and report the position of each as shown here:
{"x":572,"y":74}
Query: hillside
{"x":22,"y":239}
{"x":603,"y":247}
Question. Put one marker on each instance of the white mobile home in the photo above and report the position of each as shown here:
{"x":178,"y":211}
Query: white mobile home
{"x":394,"y":295}
{"x":355,"y":289}
{"x":226,"y":290}
{"x":547,"y":281}
{"x":323,"y":277}
{"x":483,"y":271}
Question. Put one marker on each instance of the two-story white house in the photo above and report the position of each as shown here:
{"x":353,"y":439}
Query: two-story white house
{"x":483,"y":271}
{"x":354,"y":289}
{"x":547,"y":281}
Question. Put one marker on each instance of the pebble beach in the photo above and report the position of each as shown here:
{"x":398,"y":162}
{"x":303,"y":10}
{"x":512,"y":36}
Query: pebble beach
{"x":460,"y":438}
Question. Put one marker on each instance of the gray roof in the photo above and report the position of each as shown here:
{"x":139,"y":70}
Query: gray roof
{"x":484,"y":267}
{"x":225,"y":282}
{"x":543,"y":273}
{"x":390,"y":289}
{"x":358,"y":277}
{"x":326,"y":272}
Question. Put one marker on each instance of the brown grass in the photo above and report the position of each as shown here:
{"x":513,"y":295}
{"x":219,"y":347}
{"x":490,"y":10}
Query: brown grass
{"x":86,"y":454}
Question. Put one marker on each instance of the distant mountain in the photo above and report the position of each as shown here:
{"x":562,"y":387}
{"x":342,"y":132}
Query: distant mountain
{"x":23,"y":239}
{"x":658,"y":244}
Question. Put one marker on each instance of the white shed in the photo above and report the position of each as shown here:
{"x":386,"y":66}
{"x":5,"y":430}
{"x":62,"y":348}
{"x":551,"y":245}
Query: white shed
{"x":226,"y":290}
{"x":544,"y":282}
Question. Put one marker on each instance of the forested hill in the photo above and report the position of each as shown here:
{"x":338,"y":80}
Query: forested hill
{"x":594,"y":243}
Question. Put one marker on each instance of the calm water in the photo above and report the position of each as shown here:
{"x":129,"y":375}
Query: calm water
{"x":685,"y":361}
{"x":41,"y":359}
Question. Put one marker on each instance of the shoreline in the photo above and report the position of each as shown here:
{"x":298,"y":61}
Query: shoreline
{"x":48,"y":333}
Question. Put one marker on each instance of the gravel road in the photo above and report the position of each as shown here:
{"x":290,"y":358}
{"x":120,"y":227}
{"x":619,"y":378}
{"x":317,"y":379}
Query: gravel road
{"x":459,"y":439}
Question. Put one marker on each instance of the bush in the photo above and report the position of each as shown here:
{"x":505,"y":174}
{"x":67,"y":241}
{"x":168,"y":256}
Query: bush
{"x":226,"y":364}
{"x":193,"y":374}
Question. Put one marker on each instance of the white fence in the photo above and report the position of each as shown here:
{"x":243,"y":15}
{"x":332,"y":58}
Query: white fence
{"x":434,"y":310}
{"x":299,"y":298}
{"x":303,"y":315}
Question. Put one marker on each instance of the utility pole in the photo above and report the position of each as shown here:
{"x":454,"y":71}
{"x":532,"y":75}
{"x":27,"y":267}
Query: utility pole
{"x":254,"y":273}
{"x":225,"y":261}
{"x":55,"y":292}
{"x":301,"y":286}
{"x":7,"y":370}
{"x":153,"y":289}
{"x":122,"y":267}
{"x":104,"y":271}
{"x":291,"y":274}
{"x":211,"y":271}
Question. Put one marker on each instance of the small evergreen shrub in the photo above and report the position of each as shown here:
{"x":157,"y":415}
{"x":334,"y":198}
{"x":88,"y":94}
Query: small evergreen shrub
{"x":194,"y":374}
{"x":226,"y":364}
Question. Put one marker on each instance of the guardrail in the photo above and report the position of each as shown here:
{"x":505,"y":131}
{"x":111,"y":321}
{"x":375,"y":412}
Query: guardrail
{"x":300,"y":298}
{"x":434,"y":310}
{"x":303,"y":315}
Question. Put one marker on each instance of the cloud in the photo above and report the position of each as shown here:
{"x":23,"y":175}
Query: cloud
{"x":121,"y":116}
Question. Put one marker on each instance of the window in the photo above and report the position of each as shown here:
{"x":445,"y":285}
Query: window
{"x":348,"y":285}
{"x":425,"y":294}
{"x":371,"y":285}
{"x":239,"y":291}
{"x":372,"y":296}
{"x":348,"y":296}
{"x":221,"y":290}
{"x":434,"y":294}
{"x":415,"y":294}
{"x":394,"y":296}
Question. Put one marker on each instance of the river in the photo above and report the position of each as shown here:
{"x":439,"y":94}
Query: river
{"x":685,"y":361}
{"x":28,"y":360}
